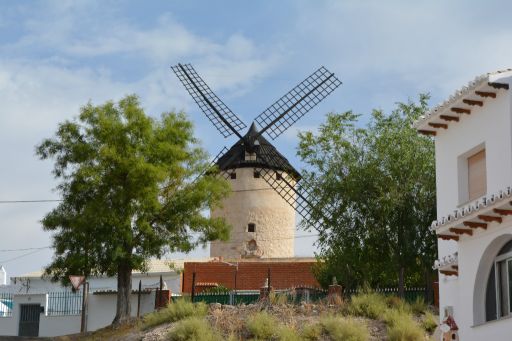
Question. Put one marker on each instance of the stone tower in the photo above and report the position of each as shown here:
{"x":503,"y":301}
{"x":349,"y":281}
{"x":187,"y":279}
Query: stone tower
{"x":263,"y":223}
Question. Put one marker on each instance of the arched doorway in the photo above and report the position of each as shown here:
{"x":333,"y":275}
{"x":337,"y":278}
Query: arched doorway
{"x":491,"y":279}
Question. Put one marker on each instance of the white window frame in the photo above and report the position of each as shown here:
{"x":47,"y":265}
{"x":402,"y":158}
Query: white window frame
{"x":507,"y":258}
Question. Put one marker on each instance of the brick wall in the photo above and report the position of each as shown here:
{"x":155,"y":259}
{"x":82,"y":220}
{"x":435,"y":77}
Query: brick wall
{"x":251,"y":275}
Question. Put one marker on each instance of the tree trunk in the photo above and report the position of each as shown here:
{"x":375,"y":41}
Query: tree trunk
{"x":401,"y":289}
{"x":124,"y":290}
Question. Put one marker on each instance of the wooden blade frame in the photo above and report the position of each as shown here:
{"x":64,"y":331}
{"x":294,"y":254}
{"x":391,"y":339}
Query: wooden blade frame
{"x":299,"y":196}
{"x":226,"y":122}
{"x":297,"y":102}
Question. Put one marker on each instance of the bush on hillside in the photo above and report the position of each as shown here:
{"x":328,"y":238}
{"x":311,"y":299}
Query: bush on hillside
{"x":429,"y":322}
{"x":173,"y":312}
{"x":405,"y":328}
{"x":419,"y":306}
{"x":262,"y":326}
{"x":285,"y":333}
{"x":339,"y":329}
{"x":193,"y":329}
{"x":371,"y":305}
{"x":312,"y":332}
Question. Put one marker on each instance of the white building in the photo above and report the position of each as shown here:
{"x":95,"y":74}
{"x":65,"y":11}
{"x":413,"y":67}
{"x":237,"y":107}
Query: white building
{"x":3,"y":276}
{"x":473,"y":143}
{"x":170,"y":270}
{"x":32,"y":305}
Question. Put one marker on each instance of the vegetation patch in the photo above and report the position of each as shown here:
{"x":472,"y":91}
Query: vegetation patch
{"x":312,"y":332}
{"x":402,"y":327}
{"x":369,"y":305}
{"x":262,"y":326}
{"x":193,"y":329}
{"x":178,"y":310}
{"x":344,"y":329}
{"x":429,"y":322}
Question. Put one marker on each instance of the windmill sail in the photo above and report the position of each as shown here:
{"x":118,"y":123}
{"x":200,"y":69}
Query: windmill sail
{"x":297,"y":102}
{"x":226,"y":122}
{"x":308,"y":204}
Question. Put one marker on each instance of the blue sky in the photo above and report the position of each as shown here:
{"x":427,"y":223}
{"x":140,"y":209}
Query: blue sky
{"x":55,"y":56}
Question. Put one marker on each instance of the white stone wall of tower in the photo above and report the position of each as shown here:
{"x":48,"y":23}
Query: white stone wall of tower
{"x":253,"y":201}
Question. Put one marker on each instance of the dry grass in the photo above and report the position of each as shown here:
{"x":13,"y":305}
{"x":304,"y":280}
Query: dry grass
{"x":175,"y":311}
{"x":368,"y":316}
{"x":369,"y":305}
{"x":262,"y":326}
{"x":429,"y":322}
{"x":193,"y":329}
{"x":344,"y":329}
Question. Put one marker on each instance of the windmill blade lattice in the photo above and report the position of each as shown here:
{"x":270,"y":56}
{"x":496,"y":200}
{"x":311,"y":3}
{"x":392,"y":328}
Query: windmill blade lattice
{"x":300,"y":196}
{"x":213,"y":165}
{"x":226,"y":122}
{"x":297,"y":102}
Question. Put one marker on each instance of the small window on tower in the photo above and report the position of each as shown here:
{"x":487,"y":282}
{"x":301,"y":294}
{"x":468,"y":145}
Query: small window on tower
{"x":233,"y":175}
{"x":251,"y":227}
{"x":278,"y":176}
{"x":250,"y":156}
{"x":256,"y":174}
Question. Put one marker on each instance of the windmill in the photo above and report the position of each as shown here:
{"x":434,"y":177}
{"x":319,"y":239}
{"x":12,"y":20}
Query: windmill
{"x":266,"y":189}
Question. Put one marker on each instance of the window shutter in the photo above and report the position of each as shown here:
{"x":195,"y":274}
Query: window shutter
{"x":477,"y":178}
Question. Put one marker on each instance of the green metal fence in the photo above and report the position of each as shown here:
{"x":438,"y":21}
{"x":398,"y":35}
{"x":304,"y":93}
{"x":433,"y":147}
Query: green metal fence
{"x":246,"y":298}
{"x":64,"y":303}
{"x":298,"y":295}
{"x":410,"y":294}
{"x":212,"y":298}
{"x":6,"y":304}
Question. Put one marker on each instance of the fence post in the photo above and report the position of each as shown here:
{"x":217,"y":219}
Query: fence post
{"x":193,"y":286}
{"x":161,"y":288}
{"x":269,"y":280}
{"x":83,"y":324}
{"x":236,"y":274}
{"x":138,"y":298}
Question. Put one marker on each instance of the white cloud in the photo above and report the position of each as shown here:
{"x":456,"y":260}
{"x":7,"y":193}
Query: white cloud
{"x":38,"y":93}
{"x":432,"y":46}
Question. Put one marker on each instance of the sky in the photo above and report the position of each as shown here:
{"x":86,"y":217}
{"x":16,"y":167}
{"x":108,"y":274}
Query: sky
{"x":56,"y":56}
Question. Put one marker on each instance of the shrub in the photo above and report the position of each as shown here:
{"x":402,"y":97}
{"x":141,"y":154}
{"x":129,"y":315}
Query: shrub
{"x":405,"y":329}
{"x":193,"y":329}
{"x":344,"y":329}
{"x":287,"y":334}
{"x":262,"y":326}
{"x":394,"y":316}
{"x":312,"y":332}
{"x":395,"y":302}
{"x":419,"y":306}
{"x":429,"y":322}
{"x":175,"y":311}
{"x":369,"y":305}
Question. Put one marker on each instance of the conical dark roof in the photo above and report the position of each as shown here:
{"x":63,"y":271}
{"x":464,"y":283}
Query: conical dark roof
{"x":267,"y":155}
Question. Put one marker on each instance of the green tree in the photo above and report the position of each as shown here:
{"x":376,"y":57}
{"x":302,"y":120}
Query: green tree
{"x":133,"y":187}
{"x":381,"y":180}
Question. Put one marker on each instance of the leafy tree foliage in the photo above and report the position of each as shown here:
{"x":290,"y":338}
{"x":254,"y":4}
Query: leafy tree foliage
{"x":381,"y":179}
{"x":133,"y":187}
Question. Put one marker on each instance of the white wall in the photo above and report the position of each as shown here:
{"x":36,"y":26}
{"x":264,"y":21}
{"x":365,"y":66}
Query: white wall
{"x":467,"y":307}
{"x":490,"y":125}
{"x":101,"y":312}
{"x":150,"y":280}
